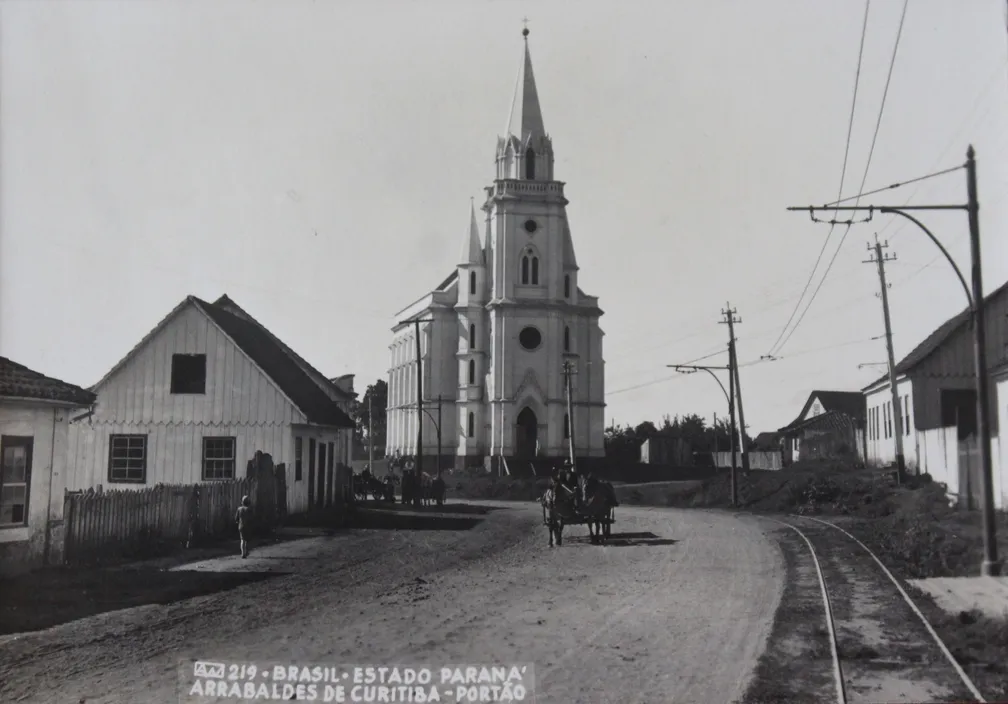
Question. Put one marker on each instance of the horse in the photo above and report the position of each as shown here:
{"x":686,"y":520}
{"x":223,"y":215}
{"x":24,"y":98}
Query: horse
{"x":598,"y":498}
{"x":558,"y":506}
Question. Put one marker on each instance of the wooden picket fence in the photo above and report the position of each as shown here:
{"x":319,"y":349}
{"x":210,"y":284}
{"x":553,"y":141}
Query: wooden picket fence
{"x":101,"y":525}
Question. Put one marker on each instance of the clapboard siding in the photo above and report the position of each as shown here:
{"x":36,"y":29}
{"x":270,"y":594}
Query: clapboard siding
{"x":951,"y":365}
{"x":236,"y":390}
{"x":174,"y":451}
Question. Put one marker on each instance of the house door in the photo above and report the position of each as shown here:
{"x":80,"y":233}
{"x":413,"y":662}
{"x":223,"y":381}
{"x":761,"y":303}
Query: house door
{"x":320,"y":494}
{"x":526,"y":434}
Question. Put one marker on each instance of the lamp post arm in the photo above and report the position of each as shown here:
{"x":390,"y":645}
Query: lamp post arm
{"x":918,"y":223}
{"x":723,"y":390}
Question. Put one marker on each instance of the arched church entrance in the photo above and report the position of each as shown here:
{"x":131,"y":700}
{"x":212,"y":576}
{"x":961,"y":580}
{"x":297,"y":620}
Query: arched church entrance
{"x":526,"y":434}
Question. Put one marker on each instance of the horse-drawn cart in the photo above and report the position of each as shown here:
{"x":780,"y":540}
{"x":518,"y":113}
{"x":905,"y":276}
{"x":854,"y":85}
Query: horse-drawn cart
{"x":594,"y":506}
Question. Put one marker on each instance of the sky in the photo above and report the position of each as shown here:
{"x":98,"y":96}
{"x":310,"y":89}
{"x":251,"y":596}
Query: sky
{"x":315,"y":161}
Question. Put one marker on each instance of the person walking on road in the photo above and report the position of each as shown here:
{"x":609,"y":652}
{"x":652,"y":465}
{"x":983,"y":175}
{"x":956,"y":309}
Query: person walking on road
{"x":242,"y":517}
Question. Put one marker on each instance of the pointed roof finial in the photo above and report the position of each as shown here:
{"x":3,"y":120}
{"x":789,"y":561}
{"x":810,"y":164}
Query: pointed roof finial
{"x":525,"y":30}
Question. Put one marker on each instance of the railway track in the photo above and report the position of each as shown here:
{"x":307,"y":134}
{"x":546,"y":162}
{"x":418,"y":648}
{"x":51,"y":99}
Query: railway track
{"x":881,"y":647}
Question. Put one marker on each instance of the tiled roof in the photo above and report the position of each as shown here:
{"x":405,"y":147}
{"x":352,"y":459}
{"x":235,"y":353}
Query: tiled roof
{"x":269,"y":354}
{"x":937,"y":338}
{"x":850,"y":403}
{"x":18,"y":381}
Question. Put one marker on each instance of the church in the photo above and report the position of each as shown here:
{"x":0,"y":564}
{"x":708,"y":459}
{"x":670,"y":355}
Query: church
{"x":498,"y":336}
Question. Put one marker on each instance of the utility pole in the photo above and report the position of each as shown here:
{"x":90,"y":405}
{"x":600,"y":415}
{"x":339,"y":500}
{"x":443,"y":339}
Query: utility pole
{"x":715,"y":439}
{"x":990,"y":566}
{"x":370,"y":434}
{"x":734,"y":434}
{"x":730,"y":398}
{"x":730,"y":320}
{"x":419,"y":391}
{"x":568,"y":371}
{"x":439,"y":436}
{"x":897,"y":410}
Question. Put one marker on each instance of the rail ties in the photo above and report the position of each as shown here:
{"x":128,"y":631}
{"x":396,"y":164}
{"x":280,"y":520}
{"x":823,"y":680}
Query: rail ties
{"x":882,"y":646}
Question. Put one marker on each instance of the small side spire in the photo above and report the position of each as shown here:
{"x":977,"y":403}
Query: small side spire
{"x":472,"y":251}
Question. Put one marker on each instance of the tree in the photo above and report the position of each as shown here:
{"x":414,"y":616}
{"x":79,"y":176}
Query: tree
{"x":377,"y":394}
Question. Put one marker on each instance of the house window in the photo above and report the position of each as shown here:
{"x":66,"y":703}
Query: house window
{"x":127,"y":459}
{"x":530,"y":164}
{"x":188,"y":374}
{"x":298,"y":458}
{"x":472,"y":372}
{"x":15,"y":478}
{"x":567,"y":286}
{"x":566,"y":339}
{"x":566,"y":427}
{"x":471,"y":426}
{"x":472,"y":283}
{"x":218,"y":458}
{"x":472,"y":336}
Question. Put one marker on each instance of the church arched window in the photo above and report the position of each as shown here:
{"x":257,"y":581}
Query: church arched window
{"x":472,"y":372}
{"x":472,"y":336}
{"x":535,"y":271}
{"x":472,"y":283}
{"x":566,"y":339}
{"x":566,"y":427}
{"x":471,"y":425}
{"x":530,"y":163}
{"x":530,"y":267}
{"x":566,"y":285}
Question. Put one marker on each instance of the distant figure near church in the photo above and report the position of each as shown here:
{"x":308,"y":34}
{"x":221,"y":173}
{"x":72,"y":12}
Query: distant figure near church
{"x":505,"y":321}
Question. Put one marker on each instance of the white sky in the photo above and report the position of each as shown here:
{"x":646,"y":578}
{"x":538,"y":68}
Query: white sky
{"x":315,"y":161}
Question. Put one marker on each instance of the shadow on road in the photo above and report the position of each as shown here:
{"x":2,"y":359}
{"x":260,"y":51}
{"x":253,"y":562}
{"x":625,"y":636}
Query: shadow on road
{"x":398,"y":520}
{"x":617,"y":540}
{"x":459,"y":509}
{"x":71,"y":594}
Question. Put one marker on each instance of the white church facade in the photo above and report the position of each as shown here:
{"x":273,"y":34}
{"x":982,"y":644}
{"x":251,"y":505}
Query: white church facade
{"x":496,"y":334}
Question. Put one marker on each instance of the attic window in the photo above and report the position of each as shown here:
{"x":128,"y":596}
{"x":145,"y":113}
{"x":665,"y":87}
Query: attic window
{"x":188,"y":374}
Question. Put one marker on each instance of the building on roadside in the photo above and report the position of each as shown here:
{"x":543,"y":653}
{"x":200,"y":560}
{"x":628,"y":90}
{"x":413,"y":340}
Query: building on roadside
{"x":831,"y":424}
{"x":34,"y":425}
{"x":198,"y":396}
{"x":497,"y":332}
{"x":936,"y":387}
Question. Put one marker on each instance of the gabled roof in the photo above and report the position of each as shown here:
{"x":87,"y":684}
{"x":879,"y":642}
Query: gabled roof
{"x":275,"y":359}
{"x":849,"y":403}
{"x":940,"y":336}
{"x":831,"y":420}
{"x":228,"y":304}
{"x":272,"y":357}
{"x":19,"y":382}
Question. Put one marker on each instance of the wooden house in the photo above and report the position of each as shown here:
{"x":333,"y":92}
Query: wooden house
{"x":831,"y":424}
{"x":34,"y":424}
{"x":195,"y":400}
{"x":936,"y":386}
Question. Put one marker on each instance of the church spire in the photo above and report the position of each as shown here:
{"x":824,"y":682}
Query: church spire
{"x":525,"y":152}
{"x":472,"y":250}
{"x":526,"y":118}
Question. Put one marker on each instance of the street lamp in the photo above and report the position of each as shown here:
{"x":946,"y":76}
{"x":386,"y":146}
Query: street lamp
{"x":990,"y":566}
{"x":693,"y":369}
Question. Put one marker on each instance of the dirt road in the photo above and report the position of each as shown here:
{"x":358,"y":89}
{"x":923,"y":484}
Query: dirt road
{"x":677,"y":609}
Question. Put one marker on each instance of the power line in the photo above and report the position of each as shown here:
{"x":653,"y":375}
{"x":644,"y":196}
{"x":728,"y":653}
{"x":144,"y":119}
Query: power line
{"x":996,"y":74}
{"x":843,"y":174}
{"x":896,"y":185}
{"x":864,"y":178}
